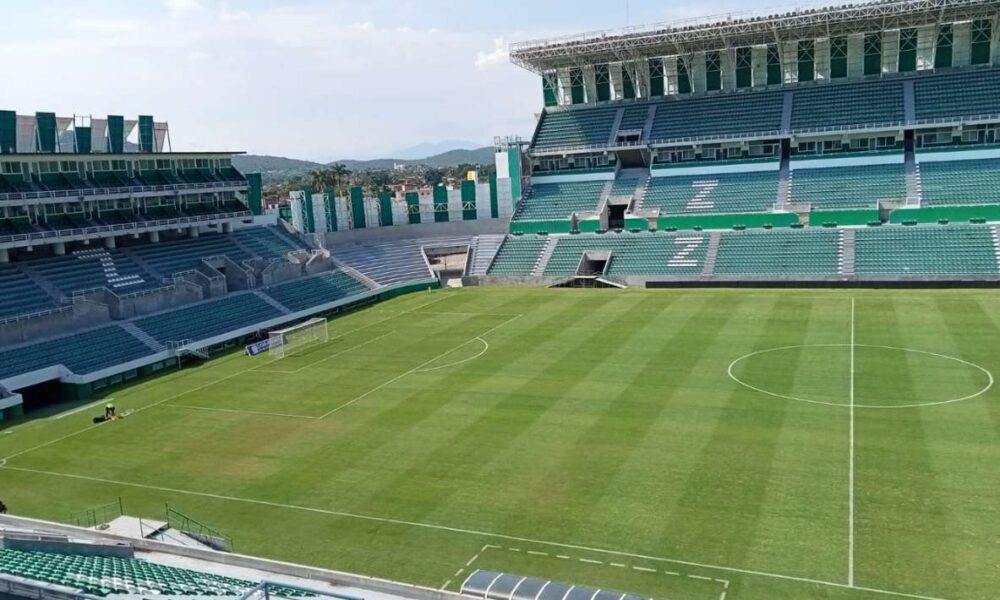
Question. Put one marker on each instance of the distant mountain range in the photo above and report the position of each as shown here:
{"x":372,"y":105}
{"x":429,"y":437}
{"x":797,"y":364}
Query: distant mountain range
{"x":274,"y":167}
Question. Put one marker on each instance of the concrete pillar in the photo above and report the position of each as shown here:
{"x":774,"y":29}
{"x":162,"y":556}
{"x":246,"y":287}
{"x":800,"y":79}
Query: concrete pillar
{"x":890,"y":51}
{"x":59,"y":249}
{"x":565,"y":87}
{"x":699,"y":82}
{"x":590,"y":83}
{"x":670,"y":75}
{"x":615,"y":72}
{"x":154,"y":236}
{"x":193,"y":232}
{"x":790,"y":62}
{"x":727,"y":58}
{"x":822,"y":57}
{"x":995,"y":42}
{"x":926,"y":39}
{"x":962,"y":47}
{"x":109,"y":242}
{"x":758,"y":57}
{"x":4,"y":256}
{"x":227,"y":227}
{"x":855,"y":55}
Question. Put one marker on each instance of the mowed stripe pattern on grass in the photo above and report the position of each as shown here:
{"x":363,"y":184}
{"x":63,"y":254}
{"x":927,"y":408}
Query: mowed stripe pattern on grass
{"x":597,"y":418}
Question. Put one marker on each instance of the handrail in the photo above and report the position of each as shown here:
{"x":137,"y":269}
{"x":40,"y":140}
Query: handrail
{"x":108,"y":191}
{"x":121,"y":227}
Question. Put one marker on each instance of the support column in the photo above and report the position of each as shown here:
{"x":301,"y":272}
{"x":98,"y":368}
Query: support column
{"x":822,"y":59}
{"x":59,"y":249}
{"x":615,"y":73}
{"x":227,"y":227}
{"x":855,"y":55}
{"x":727,"y":60}
{"x":4,"y":256}
{"x":790,"y":62}
{"x":565,"y":87}
{"x":670,"y":75}
{"x":193,"y":232}
{"x":699,"y":81}
{"x":590,"y":84}
{"x":154,"y":236}
{"x":995,"y":42}
{"x":926,"y":38}
{"x":962,"y":46}
{"x":890,"y":51}
{"x":758,"y":56}
{"x":109,"y":242}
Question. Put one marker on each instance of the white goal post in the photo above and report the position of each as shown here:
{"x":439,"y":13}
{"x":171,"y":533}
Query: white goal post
{"x":282,"y":342}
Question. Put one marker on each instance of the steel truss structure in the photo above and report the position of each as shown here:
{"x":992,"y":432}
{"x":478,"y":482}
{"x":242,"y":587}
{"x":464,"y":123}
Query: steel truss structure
{"x":742,"y":30}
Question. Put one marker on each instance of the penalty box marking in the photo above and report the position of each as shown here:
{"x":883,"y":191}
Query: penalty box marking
{"x":473,"y":532}
{"x":468,"y":567}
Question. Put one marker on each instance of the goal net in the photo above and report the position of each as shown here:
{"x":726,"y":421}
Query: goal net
{"x":282,"y":342}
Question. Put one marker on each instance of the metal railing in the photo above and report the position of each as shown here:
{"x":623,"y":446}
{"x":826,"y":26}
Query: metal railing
{"x":98,"y":516}
{"x":117,"y":190}
{"x":119,"y":228}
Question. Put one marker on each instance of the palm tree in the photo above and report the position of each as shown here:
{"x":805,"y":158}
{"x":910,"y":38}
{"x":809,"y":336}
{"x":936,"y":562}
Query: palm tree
{"x":340,"y":173}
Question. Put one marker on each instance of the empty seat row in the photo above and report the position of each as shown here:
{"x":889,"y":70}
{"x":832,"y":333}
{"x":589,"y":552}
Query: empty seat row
{"x":559,"y":200}
{"x":517,"y":255}
{"x":960,"y":182}
{"x":583,"y":126}
{"x":208,"y":319}
{"x":633,"y":254}
{"x":926,"y":250}
{"x":719,"y":193}
{"x":726,"y":114}
{"x":305,"y":293}
{"x":786,"y":252}
{"x":849,"y":187}
{"x":82,"y":353}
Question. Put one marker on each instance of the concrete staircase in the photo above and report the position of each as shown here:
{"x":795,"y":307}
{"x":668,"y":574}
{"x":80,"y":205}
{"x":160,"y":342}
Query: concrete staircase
{"x":713,"y":252}
{"x":484,"y":250}
{"x":845,"y":253}
{"x":543,"y":258}
{"x":784,"y":184}
{"x":142,"y":336}
{"x":615,"y":126}
{"x":277,"y":305}
{"x":996,"y":242}
{"x":914,"y":185}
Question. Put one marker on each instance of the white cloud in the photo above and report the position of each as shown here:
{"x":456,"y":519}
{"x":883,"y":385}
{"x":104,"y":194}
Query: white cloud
{"x":499,"y":55}
{"x":181,"y":7}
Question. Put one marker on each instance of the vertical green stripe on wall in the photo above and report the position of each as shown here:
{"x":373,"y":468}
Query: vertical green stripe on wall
{"x":8,"y":132}
{"x":255,"y":193}
{"x":385,"y":209}
{"x":83,"y":140}
{"x":310,"y":216}
{"x":469,"y":209}
{"x":146,"y":134}
{"x":358,"y":208}
{"x":46,"y":124}
{"x":441,"y":204}
{"x":494,"y":198}
{"x":413,"y":207}
{"x":116,"y":134}
{"x":514,"y":164}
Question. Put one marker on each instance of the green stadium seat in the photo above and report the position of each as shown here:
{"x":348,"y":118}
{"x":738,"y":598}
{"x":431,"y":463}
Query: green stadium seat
{"x":518,"y":255}
{"x":713,"y":193}
{"x":926,"y":250}
{"x":305,"y":293}
{"x":960,"y":182}
{"x":559,"y":200}
{"x":850,"y":187}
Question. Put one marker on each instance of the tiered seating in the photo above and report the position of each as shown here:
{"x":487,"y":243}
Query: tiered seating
{"x":960,"y":182}
{"x":634,"y":117}
{"x":966,"y":94}
{"x":19,"y":294}
{"x":633,"y":254}
{"x":173,"y":257}
{"x":926,"y":250}
{"x":231,"y":174}
{"x":713,"y":193}
{"x":393,"y":262}
{"x":307,"y":292}
{"x":840,"y":105}
{"x":726,"y":114}
{"x":208,"y":319}
{"x":576,"y":127}
{"x":851,"y":187}
{"x":112,"y":179}
{"x":15,"y":226}
{"x":517,"y":255}
{"x":559,"y":200}
{"x":104,"y":576}
{"x":266,"y":242}
{"x":778,"y":252}
{"x":87,"y":269}
{"x":82,"y":353}
{"x":624,"y":185}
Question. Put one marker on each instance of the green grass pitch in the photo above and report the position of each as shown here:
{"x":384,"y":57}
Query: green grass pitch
{"x":692,"y":445}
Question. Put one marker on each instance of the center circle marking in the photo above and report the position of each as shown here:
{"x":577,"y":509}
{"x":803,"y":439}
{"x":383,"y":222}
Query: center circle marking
{"x":979,"y":368}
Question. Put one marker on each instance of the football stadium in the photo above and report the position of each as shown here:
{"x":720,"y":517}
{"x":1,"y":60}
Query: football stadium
{"x":724,"y":328}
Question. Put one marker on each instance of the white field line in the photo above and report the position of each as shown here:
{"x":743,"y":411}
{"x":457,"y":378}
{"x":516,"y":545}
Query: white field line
{"x":416,"y":368}
{"x":326,"y":358}
{"x":80,"y":409}
{"x":486,"y":347}
{"x":471,"y":532}
{"x":850,"y":515}
{"x":239,"y":411}
{"x":201,"y":387}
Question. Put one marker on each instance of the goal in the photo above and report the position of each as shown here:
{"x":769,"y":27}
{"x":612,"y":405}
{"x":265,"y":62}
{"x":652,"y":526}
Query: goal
{"x":282,"y":342}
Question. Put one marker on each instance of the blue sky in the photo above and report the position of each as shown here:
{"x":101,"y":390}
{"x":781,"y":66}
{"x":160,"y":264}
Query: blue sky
{"x":313,"y":79}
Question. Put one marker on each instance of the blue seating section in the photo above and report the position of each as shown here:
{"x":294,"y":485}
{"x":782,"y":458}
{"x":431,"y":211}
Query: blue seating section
{"x":845,"y":105}
{"x":965,"y":94}
{"x":19,"y":294}
{"x":82,"y":353}
{"x":208,"y":319}
{"x":94,"y":268}
{"x":713,"y":193}
{"x":725,"y":114}
{"x":308,"y":292}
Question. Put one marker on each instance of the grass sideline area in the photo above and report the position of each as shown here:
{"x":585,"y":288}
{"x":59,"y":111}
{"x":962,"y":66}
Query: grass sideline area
{"x":692,"y":444}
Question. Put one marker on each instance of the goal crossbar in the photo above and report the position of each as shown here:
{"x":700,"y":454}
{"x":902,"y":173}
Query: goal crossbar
{"x":282,"y":342}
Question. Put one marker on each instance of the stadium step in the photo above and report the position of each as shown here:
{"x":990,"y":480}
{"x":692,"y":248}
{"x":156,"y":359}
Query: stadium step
{"x":713,"y":252}
{"x":845,"y":252}
{"x":543,"y":259}
{"x":614,"y":126}
{"x":42,"y":282}
{"x":914,"y":185}
{"x":784,"y":184}
{"x":996,"y":242}
{"x":279,"y":306}
{"x":142,"y":336}
{"x":484,"y":250}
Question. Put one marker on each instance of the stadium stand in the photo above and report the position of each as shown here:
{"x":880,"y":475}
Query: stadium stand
{"x":926,"y":250}
{"x":786,"y":252}
{"x":850,"y":187}
{"x":647,"y":254}
{"x":183,"y":255}
{"x":20,"y":294}
{"x":727,"y":114}
{"x":208,"y":319}
{"x":76,"y":352}
{"x":94,"y":268}
{"x":848,"y":105}
{"x":713,"y":193}
{"x":105,"y":576}
{"x":575,"y":127}
{"x":518,"y":255}
{"x":634,"y":117}
{"x":301,"y":294}
{"x":559,"y":200}
{"x":393,"y":262}
{"x":960,"y":182}
{"x":936,"y":97}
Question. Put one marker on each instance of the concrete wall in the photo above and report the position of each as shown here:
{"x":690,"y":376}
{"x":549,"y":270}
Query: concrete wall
{"x":85,"y":313}
{"x":237,"y":277}
{"x":181,"y":293}
{"x":280,"y":270}
{"x":403,"y":232}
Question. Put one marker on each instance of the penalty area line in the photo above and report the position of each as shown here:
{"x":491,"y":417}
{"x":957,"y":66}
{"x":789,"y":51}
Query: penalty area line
{"x":470,"y":532}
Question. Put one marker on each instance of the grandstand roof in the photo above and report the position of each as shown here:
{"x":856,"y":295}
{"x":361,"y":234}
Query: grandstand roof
{"x":741,"y":29}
